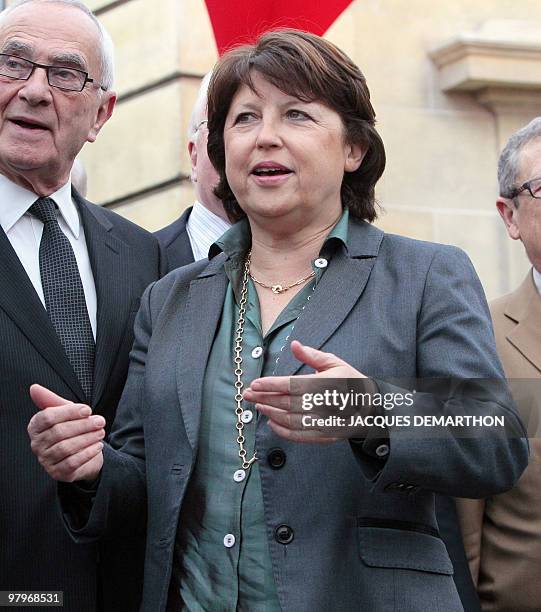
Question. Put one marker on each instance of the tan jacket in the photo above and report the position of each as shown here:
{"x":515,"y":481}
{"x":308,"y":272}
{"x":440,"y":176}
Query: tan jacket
{"x":502,"y":534}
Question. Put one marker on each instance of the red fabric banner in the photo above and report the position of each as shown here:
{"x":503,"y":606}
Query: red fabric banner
{"x":242,"y":21}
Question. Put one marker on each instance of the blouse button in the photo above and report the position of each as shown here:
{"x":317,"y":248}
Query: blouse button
{"x":239,"y":475}
{"x":229,"y":540}
{"x":246,"y":416}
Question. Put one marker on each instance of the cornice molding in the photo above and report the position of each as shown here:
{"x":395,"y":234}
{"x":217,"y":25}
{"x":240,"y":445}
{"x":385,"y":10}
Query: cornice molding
{"x":496,"y":62}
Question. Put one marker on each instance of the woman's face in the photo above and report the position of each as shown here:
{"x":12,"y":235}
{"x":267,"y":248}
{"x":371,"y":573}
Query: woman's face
{"x":285,"y":159}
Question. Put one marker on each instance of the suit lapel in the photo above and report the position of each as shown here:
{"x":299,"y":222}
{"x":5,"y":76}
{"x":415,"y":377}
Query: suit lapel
{"x":338,"y":291}
{"x":199,"y":324}
{"x":109,"y":258}
{"x":179,"y":251}
{"x":524,"y":307}
{"x":21,"y":303}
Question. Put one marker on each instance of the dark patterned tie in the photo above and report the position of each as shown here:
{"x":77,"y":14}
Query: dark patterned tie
{"x":64,"y":294}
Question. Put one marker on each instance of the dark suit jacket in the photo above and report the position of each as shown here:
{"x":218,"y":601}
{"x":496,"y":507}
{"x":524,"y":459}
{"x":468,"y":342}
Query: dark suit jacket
{"x":365,"y":532}
{"x":176,"y":242}
{"x":36,"y":553}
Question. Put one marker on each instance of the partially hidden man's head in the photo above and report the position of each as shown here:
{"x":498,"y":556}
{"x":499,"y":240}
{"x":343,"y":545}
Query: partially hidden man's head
{"x":47,"y":114}
{"x":519,"y":177}
{"x":204,"y":176}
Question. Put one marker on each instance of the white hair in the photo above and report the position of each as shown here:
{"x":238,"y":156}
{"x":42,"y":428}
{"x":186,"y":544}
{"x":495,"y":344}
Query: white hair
{"x":509,"y":162}
{"x":199,"y":111}
{"x":105,"y":49}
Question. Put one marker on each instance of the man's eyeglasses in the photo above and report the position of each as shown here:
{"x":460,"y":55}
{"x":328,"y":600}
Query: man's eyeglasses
{"x":69,"y":79}
{"x":533,"y":187}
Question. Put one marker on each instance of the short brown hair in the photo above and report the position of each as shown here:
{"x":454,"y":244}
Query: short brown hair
{"x":312,"y":69}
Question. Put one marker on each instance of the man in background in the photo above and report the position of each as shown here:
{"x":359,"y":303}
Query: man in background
{"x":72,"y":274}
{"x":189,"y":238}
{"x":502,"y":534}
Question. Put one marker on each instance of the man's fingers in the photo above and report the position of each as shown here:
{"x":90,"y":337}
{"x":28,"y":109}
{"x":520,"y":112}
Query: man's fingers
{"x":66,"y":437}
{"x":71,"y":429}
{"x":84,"y":465}
{"x":71,"y":446}
{"x":89,"y":470}
{"x":44,"y":398}
{"x":46,"y":419}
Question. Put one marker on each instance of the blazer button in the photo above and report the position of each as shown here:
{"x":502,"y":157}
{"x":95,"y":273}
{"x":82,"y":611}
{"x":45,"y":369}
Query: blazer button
{"x":284,"y":534}
{"x":276,"y":458}
{"x":382,"y":450}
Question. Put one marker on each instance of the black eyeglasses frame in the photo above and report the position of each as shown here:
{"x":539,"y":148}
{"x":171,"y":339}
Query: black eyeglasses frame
{"x":47,"y":67}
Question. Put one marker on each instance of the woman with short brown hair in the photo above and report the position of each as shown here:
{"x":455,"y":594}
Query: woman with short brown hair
{"x":308,"y":68}
{"x":248,"y":508}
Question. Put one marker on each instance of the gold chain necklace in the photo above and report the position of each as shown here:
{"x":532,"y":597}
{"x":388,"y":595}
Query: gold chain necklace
{"x":246,"y":463}
{"x":280,"y":288}
{"x":239,"y":336}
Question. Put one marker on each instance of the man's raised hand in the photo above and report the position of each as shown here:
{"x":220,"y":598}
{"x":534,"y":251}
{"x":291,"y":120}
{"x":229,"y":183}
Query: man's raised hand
{"x":66,"y":437}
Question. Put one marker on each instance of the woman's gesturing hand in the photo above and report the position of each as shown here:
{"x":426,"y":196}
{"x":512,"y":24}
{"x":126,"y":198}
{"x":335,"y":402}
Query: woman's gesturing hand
{"x":273,"y":396}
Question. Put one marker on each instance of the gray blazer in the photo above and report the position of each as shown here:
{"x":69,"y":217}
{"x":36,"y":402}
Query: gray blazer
{"x":365,"y":533}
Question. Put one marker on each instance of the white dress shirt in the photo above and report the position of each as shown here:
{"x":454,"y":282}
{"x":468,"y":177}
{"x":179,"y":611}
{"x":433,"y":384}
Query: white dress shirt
{"x":537,"y":280}
{"x":24,"y":233}
{"x":204,"y":228}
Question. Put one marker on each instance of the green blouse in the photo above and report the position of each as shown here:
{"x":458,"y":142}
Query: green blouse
{"x":222,"y":545}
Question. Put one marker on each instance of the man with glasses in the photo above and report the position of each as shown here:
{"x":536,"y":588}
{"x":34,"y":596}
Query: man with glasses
{"x":189,"y":237}
{"x":502,"y":534}
{"x":71,"y":275}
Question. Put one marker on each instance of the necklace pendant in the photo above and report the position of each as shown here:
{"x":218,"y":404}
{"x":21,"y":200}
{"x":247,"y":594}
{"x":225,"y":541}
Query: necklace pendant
{"x":277,"y":288}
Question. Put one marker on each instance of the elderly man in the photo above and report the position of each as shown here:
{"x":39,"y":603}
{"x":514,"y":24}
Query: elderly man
{"x":502,"y":534}
{"x":71,"y":277}
{"x":189,"y":238}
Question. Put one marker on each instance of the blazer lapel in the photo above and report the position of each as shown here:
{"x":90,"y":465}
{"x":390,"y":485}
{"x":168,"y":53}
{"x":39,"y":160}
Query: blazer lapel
{"x":180,"y":254}
{"x":524,"y":307}
{"x":337,"y":293}
{"x":20,"y":301}
{"x":109,"y":258}
{"x":200,"y":321}
{"x":179,"y":251}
